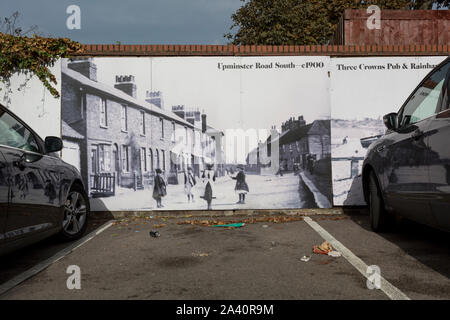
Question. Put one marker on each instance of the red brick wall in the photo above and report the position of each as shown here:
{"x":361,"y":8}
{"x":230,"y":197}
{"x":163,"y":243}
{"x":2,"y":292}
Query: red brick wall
{"x":262,"y":50}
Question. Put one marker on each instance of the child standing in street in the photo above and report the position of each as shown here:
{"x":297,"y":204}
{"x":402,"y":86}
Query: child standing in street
{"x":209,"y":177}
{"x":189,"y":183}
{"x":159,"y":188}
{"x":241,"y":187}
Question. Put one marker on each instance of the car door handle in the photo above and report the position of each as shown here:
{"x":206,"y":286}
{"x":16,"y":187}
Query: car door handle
{"x":417,"y":134}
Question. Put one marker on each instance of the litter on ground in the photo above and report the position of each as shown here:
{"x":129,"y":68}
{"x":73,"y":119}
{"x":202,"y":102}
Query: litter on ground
{"x":200,"y":254}
{"x":324,"y":248}
{"x":230,"y":225}
{"x":155,"y":234}
{"x":335,"y":254}
{"x":305,"y":258}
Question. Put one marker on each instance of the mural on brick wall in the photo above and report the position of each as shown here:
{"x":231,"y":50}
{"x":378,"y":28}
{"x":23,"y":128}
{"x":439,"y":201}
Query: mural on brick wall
{"x":363,"y":90}
{"x":188,"y":133}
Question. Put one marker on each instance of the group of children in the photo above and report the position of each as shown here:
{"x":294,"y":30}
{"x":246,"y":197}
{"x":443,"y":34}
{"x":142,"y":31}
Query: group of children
{"x":208,"y":177}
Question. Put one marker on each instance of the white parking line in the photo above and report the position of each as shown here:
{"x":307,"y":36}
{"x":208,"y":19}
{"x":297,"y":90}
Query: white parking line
{"x":391,"y":291}
{"x":44,"y":264}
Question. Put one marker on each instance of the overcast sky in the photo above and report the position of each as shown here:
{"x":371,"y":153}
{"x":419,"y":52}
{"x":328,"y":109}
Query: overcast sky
{"x":232,"y":99}
{"x":130,"y":21}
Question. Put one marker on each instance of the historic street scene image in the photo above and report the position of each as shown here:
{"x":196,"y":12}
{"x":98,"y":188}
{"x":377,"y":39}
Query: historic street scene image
{"x":193,"y":134}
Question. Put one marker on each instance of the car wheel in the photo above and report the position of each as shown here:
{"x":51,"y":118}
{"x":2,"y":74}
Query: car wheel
{"x":378,"y":215}
{"x":76,"y":213}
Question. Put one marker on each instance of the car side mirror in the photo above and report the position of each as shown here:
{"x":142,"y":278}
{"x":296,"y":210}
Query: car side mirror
{"x":390,"y":121}
{"x":53,"y":144}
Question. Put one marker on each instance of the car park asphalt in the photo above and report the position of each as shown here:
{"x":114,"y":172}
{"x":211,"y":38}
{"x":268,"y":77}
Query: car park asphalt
{"x":257,"y":261}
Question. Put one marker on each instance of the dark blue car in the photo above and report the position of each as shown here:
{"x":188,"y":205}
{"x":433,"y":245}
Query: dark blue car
{"x":407,"y":171}
{"x":40,"y":195}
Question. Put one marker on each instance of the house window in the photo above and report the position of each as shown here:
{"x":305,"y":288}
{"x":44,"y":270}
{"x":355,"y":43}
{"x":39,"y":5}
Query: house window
{"x":150,"y":158}
{"x":104,"y":158}
{"x":161,"y":121}
{"x":124,"y":118}
{"x":173,"y":131}
{"x":103,"y":114}
{"x":157,"y":159}
{"x":143,"y":159}
{"x":185,"y":135}
{"x":125,"y":158}
{"x":142,"y":122}
{"x":163,"y":153}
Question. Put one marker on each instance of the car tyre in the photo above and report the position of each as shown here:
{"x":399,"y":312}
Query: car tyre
{"x":76,"y":213}
{"x":378,"y":215}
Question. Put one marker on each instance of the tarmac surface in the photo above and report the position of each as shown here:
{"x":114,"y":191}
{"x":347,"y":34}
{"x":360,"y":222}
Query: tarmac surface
{"x":257,"y":261}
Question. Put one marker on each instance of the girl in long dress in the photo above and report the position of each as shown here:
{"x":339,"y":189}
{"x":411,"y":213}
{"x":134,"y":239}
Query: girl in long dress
{"x":241,"y":187}
{"x":189,"y":183}
{"x":159,"y":188}
{"x":209,"y":177}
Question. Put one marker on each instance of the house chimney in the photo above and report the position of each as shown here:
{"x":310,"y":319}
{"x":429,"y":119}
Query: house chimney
{"x":126,"y":84}
{"x":301,"y":121}
{"x":156,"y":98}
{"x":85,"y":66}
{"x":204,"y":123}
{"x":179,"y":111}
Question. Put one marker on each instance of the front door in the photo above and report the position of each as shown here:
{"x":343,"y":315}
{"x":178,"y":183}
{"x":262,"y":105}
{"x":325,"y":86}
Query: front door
{"x":34,"y":204}
{"x":408,"y":186}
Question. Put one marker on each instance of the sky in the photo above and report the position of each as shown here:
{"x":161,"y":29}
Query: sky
{"x":235,"y":101}
{"x":130,"y":21}
{"x":232,"y":99}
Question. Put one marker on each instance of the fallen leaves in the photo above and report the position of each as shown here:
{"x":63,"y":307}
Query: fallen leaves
{"x":200,"y":254}
{"x":252,"y":220}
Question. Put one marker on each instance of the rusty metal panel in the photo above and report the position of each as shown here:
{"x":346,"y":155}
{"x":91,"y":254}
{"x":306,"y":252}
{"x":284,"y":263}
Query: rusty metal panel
{"x":398,"y":27}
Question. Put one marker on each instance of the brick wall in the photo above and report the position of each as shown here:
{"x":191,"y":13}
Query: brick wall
{"x":263,"y":50}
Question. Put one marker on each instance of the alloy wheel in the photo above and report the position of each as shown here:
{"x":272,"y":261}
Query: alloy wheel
{"x":75,"y":212}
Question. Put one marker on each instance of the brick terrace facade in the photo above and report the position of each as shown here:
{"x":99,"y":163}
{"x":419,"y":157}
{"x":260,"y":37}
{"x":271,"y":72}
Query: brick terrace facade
{"x":296,"y":142}
{"x":127,"y":137}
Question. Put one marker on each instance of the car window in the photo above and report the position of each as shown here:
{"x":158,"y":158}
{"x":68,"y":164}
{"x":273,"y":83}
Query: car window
{"x":424,"y":102}
{"x":446,"y":93}
{"x":15,"y":134}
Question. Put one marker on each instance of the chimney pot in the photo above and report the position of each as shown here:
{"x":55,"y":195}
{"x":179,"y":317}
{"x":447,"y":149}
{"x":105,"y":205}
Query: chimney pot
{"x":84,"y":66}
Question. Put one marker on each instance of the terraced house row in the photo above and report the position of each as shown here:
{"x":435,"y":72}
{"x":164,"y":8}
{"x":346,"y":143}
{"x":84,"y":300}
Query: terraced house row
{"x":115,"y":139}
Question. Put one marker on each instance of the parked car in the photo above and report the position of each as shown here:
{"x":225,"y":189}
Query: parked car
{"x":407,"y":171}
{"x":40,"y":195}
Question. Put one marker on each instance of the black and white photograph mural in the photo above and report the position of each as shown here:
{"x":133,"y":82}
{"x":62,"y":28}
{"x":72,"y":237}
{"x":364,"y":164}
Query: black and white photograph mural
{"x":187,"y":133}
{"x":357,"y":110}
{"x":26,"y":96}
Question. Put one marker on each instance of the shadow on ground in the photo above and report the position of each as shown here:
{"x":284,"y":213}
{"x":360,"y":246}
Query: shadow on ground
{"x":429,"y":246}
{"x":19,"y":261}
